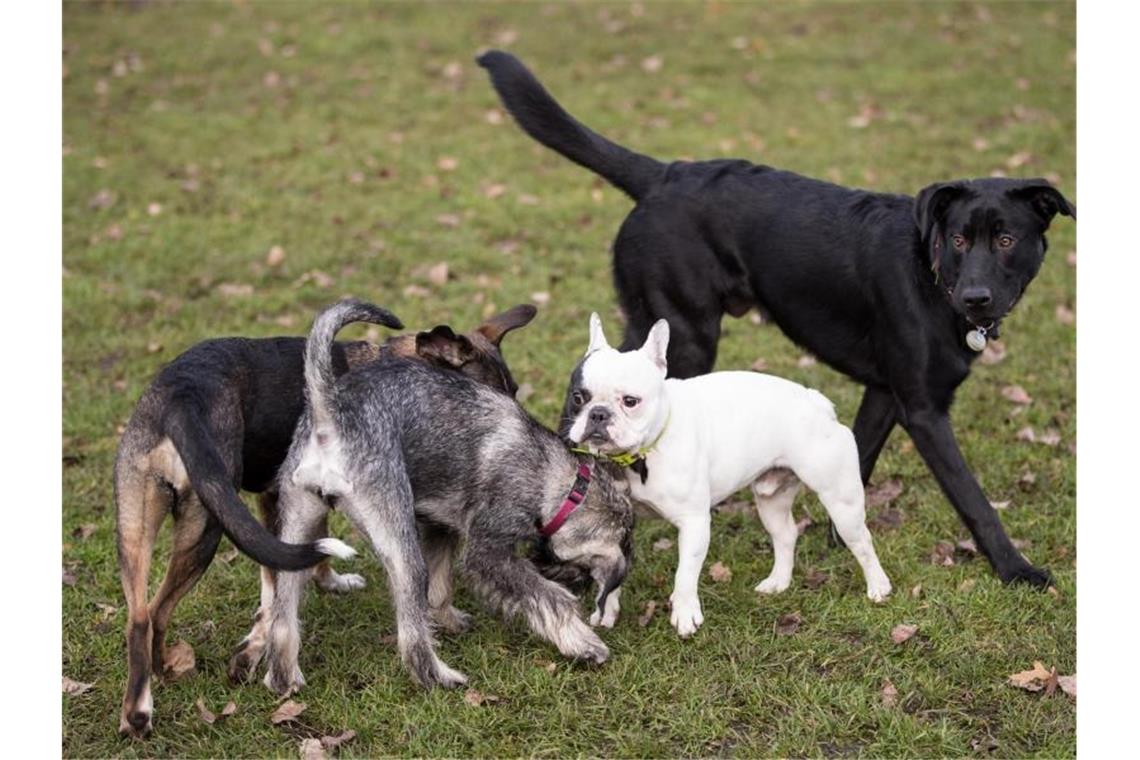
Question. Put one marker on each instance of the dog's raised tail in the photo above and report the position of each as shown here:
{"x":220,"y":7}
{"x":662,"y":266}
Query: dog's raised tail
{"x":319,"y":375}
{"x":184,"y":424}
{"x":542,"y":118}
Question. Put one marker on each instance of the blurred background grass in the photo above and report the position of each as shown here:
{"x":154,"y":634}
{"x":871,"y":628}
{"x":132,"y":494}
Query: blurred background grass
{"x":363,"y":142}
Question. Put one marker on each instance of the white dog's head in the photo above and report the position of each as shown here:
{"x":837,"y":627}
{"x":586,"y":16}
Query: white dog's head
{"x":615,"y":400}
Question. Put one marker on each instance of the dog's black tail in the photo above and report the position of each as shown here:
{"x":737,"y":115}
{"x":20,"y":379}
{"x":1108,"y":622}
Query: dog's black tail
{"x":184,"y":424}
{"x":546,"y":121}
{"x":320,"y":379}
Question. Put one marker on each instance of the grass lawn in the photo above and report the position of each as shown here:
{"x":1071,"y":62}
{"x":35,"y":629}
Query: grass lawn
{"x":365,"y":143}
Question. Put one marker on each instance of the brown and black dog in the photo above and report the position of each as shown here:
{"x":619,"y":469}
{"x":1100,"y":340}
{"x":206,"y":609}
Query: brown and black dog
{"x":221,"y":417}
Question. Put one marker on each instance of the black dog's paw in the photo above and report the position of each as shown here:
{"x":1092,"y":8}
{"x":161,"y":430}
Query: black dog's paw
{"x":1038,"y":577}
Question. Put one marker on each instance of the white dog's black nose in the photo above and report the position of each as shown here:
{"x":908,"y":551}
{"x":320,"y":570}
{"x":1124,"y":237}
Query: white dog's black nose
{"x":600,"y":415}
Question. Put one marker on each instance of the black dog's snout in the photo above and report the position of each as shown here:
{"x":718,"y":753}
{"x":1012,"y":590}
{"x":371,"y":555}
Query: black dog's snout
{"x":977,"y":297}
{"x":600,"y":415}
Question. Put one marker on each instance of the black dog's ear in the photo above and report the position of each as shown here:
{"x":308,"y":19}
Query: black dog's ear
{"x":1045,"y":199}
{"x":932,"y":202}
{"x":442,"y":346}
{"x":499,"y":325}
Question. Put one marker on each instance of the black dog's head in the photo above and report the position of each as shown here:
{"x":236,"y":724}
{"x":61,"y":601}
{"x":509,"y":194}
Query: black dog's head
{"x":986,"y":239}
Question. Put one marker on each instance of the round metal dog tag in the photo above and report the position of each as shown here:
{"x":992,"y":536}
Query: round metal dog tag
{"x":976,"y":340}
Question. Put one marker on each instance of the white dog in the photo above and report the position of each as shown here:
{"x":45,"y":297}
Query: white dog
{"x":692,"y":443}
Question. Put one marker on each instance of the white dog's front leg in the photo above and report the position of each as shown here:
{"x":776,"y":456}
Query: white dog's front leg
{"x":692,"y":545}
{"x":609,"y":617}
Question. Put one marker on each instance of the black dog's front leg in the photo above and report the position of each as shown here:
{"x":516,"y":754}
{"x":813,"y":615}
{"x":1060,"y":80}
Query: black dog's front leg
{"x":514,"y":586}
{"x":934,"y":439}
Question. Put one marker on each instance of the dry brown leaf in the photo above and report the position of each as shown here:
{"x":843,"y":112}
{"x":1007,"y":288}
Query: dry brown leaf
{"x":807,"y":360}
{"x":916,"y":592}
{"x":968,"y":546}
{"x":902,"y":632}
{"x":228,"y":710}
{"x":652,"y":64}
{"x":494,"y":190}
{"x":1027,"y":480}
{"x":204,"y":712}
{"x":179,"y":660}
{"x":525,"y":391}
{"x":312,"y":749}
{"x":289,"y":710}
{"x":1000,"y":504}
{"x":967,"y":585}
{"x":1064,"y":314}
{"x":416,"y":291}
{"x":720,"y":573}
{"x":527,"y":199}
{"x":889,"y":694}
{"x":803,"y":524}
{"x":662,"y":544}
{"x":816,"y":578}
{"x":437,"y":274}
{"x":942,"y":554}
{"x":540,"y":297}
{"x":887,"y":519}
{"x":760,"y":365}
{"x":476,"y":698}
{"x":647,"y":613}
{"x":275,"y":257}
{"x":986,"y":744}
{"x":108,"y":610}
{"x":1068,"y":684}
{"x":993,"y":353}
{"x":1026,"y":434}
{"x":154,"y":209}
{"x":234,"y":289}
{"x":880,"y":494}
{"x":547,"y":665}
{"x":447,"y":163}
{"x":68,"y":577}
{"x":1071,"y":258}
{"x":332,"y":742}
{"x":788,"y":624}
{"x":84,"y":531}
{"x":1050,"y":437}
{"x":75,"y":688}
{"x":493,"y":116}
{"x":101,"y":200}
{"x":1032,"y":680}
{"x":1016,"y":394}
{"x":448,"y":220}
{"x":230,"y":555}
{"x":1019,"y":159}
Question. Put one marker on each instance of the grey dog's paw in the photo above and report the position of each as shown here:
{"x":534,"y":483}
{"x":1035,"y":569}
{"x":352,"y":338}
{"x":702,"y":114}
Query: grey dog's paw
{"x":452,"y":620}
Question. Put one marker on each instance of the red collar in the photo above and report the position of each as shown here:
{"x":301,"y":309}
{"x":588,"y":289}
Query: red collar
{"x":576,"y":496}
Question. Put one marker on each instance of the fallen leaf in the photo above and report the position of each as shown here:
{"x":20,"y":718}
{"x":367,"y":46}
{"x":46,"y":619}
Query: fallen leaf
{"x":1064,"y":314}
{"x":453,"y":70}
{"x":547,"y":665}
{"x":416,"y":291}
{"x":275,"y":257}
{"x":1050,"y":437}
{"x":447,"y":163}
{"x":153,"y":347}
{"x":980,"y":144}
{"x":1031,"y":680}
{"x":1068,"y":684}
{"x":494,"y":190}
{"x":229,"y":556}
{"x":993,"y":353}
{"x":204,"y":712}
{"x":968,"y":546}
{"x":1016,"y":394}
{"x":759,"y":365}
{"x":816,"y":578}
{"x":179,"y":660}
{"x":647,"y":613}
{"x":988,"y":744}
{"x":888,"y":519}
{"x":788,"y":624}
{"x":493,"y":116}
{"x":312,"y":749}
{"x":540,"y":297}
{"x":288,"y":711}
{"x":1019,"y":159}
{"x":720,"y":573}
{"x":942,"y":554}
{"x":1026,"y":434}
{"x":967,"y":585}
{"x":448,"y":220}
{"x":234,"y":289}
{"x":108,"y":610}
{"x":476,"y":698}
{"x":1000,"y":504}
{"x":154,"y":209}
{"x":916,"y":592}
{"x":84,"y":531}
{"x":527,"y":199}
{"x":1071,"y":258}
{"x":880,"y":494}
{"x":662,"y":544}
{"x":807,"y":360}
{"x":525,"y":391}
{"x":803,"y":524}
{"x":889,"y":694}
{"x":102,"y":200}
{"x":228,"y":710}
{"x":332,"y":742}
{"x":902,"y":632}
{"x":75,"y":688}
{"x":68,"y":577}
{"x":652,"y":64}
{"x":1027,"y":480}
{"x":437,"y":274}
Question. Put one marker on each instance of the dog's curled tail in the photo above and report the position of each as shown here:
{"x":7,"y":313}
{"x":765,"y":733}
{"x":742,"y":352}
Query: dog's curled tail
{"x":184,"y":425}
{"x":543,"y":119}
{"x":320,"y":379}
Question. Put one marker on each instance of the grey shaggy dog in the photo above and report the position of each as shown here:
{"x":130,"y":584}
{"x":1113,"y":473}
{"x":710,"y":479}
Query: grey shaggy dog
{"x":392,"y":442}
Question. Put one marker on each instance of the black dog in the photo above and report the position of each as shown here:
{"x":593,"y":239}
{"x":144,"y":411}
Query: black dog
{"x":887,"y":289}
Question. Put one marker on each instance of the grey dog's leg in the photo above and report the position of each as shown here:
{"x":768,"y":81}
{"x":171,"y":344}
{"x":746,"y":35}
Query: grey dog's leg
{"x":300,"y":521}
{"x":513,"y":585}
{"x":439,"y":552}
{"x":383,"y":512}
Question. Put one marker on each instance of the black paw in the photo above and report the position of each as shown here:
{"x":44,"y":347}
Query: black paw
{"x":1038,"y":577}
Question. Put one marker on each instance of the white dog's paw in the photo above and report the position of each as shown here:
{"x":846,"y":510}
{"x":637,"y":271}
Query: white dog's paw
{"x":608,"y":620}
{"x":340,"y":583}
{"x":773,"y":584}
{"x":878,"y":589}
{"x":686,"y":616}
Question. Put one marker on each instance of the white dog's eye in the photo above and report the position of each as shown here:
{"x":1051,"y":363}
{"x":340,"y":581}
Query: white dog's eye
{"x":630,"y":401}
{"x":578,"y":398}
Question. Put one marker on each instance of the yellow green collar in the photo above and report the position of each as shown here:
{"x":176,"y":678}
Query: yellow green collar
{"x":629,"y":458}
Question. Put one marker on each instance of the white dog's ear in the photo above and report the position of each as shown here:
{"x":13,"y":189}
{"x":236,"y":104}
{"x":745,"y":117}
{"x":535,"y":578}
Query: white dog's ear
{"x":657,"y":344}
{"x":597,"y":337}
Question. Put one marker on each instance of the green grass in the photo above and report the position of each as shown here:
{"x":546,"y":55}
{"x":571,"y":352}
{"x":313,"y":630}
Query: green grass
{"x":337,"y":163}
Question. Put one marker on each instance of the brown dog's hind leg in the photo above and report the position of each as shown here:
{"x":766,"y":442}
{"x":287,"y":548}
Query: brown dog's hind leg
{"x":196,"y":537}
{"x":142,"y":502}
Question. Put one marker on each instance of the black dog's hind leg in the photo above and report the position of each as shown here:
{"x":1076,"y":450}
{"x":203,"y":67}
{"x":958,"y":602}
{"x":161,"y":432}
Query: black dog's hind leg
{"x":934,"y":439}
{"x":873,"y":425}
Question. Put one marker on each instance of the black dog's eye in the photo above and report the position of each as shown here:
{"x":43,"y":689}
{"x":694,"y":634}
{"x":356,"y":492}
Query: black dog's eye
{"x":577,"y":398}
{"x":959,"y":241}
{"x":1005,"y":241}
{"x":630,"y":401}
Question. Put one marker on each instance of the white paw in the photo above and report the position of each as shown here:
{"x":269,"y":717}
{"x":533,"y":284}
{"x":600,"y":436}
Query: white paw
{"x":686,"y":616}
{"x":773,"y":585}
{"x":447,"y":677}
{"x":339,"y":583}
{"x":608,"y":620}
{"x":878,"y":589}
